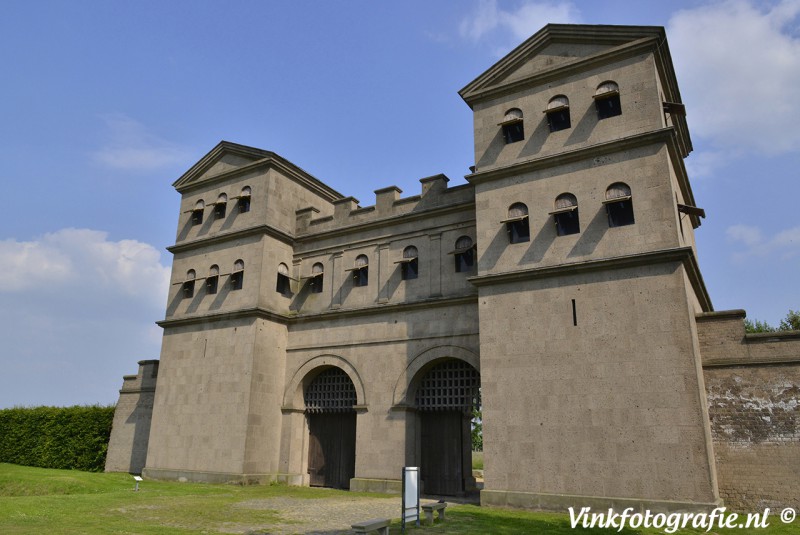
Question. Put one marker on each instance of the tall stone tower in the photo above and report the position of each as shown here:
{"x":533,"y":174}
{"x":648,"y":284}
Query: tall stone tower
{"x":587,"y":276}
{"x":217,"y":410}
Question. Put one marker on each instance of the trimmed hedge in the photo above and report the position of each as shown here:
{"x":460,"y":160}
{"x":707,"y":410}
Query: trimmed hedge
{"x":72,"y":438}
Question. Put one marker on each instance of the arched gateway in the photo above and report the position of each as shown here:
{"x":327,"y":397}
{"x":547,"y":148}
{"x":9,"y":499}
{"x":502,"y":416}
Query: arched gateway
{"x":445,"y":399}
{"x":329,"y":401}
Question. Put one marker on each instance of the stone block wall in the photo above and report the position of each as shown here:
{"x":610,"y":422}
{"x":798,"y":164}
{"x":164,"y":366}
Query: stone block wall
{"x":753,"y":387}
{"x":130,"y":431}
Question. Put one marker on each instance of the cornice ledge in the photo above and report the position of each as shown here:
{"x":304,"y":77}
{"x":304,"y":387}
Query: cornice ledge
{"x":389,"y":307}
{"x":737,"y":313}
{"x":254,"y":312}
{"x":561,"y":71}
{"x":679,"y":254}
{"x":583,"y":153}
{"x":233,"y":235}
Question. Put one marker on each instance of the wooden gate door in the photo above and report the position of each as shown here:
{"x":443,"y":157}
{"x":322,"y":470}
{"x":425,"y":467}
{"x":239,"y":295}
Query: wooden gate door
{"x":329,"y":403}
{"x":445,"y":399}
{"x":441,"y":467}
{"x":332,"y":449}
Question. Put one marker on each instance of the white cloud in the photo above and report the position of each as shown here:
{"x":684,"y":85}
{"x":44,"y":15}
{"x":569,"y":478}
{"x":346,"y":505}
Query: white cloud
{"x":77,"y":311}
{"x":522,"y":22}
{"x":739,"y":69}
{"x":785,"y":244}
{"x":83,"y":260}
{"x":131,"y":146}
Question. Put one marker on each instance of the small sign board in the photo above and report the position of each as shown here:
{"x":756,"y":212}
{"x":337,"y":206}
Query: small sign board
{"x":410,"y":495}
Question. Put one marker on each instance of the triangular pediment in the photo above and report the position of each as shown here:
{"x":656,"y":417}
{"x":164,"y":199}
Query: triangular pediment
{"x":222,"y":159}
{"x":557,"y":47}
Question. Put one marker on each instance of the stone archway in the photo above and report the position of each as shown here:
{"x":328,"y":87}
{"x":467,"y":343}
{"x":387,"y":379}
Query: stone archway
{"x":444,"y":399}
{"x":330,"y":399}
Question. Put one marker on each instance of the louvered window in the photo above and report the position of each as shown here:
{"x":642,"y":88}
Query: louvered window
{"x":237,"y":277}
{"x":558,"y":113}
{"x":464,"y":254}
{"x":212,"y":281}
{"x":619,"y":205}
{"x":317,"y":273}
{"x":517,"y":223}
{"x":188,"y":284}
{"x":409,"y":265}
{"x":512,"y":126}
{"x":606,"y":100}
{"x":565,"y":215}
{"x":220,"y":207}
{"x":282,"y":285}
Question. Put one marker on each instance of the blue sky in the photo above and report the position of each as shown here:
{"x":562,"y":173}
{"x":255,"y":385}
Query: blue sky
{"x":105,"y":103}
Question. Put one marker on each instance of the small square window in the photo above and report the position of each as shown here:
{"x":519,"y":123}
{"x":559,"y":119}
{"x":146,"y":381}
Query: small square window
{"x":608,"y":106}
{"x":465,"y":261}
{"x":316,"y":284}
{"x":219,"y":210}
{"x":620,"y":213}
{"x":188,"y":289}
{"x":361,"y":276}
{"x":211,"y":284}
{"x":197,"y":217}
{"x":237,"y":278}
{"x":244,"y":204}
{"x":513,"y":132}
{"x":409,"y":270}
{"x":558,"y":119}
{"x":283,"y":286}
{"x":567,"y":223}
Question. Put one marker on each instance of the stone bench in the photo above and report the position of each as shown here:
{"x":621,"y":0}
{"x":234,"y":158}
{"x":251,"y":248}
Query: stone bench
{"x":381,"y":525}
{"x":429,"y":508}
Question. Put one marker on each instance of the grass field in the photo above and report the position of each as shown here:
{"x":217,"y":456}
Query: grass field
{"x":35,"y":500}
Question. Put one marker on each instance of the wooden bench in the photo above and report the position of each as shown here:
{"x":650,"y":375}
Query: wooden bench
{"x":381,"y":525}
{"x":429,"y":508}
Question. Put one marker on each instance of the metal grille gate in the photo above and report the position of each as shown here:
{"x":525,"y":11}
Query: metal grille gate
{"x":445,"y":399}
{"x":329,"y":401}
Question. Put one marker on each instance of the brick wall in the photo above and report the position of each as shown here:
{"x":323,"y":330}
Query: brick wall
{"x":753,"y":387}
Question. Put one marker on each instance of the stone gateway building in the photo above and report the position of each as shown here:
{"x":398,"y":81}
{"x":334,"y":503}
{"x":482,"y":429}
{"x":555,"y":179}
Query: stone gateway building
{"x":313,"y":341}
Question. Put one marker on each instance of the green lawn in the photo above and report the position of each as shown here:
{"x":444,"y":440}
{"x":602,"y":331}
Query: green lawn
{"x":35,"y":500}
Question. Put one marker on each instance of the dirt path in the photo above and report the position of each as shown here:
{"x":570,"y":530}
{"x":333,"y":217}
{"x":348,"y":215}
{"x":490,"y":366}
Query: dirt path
{"x":326,"y":516}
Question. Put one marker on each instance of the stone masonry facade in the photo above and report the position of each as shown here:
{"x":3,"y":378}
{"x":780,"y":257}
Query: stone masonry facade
{"x":314,"y":341}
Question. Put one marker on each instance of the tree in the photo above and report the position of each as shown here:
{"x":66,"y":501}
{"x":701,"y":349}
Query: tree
{"x":756,"y":326}
{"x":790,"y":323}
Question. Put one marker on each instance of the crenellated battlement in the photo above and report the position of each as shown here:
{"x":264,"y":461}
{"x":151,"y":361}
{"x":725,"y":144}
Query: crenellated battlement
{"x":388,"y":204}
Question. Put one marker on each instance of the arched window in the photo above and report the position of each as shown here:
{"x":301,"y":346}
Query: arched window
{"x":512,"y":126}
{"x":619,"y":205}
{"x":517,"y":223}
{"x":464,"y":254}
{"x":244,"y":200}
{"x":565,"y":214}
{"x":188,"y":284}
{"x":283,"y":285}
{"x":606,"y":100}
{"x":360,"y":271}
{"x":197,"y":212}
{"x":558,"y":113}
{"x":212,"y":281}
{"x":237,"y":277}
{"x":220,"y":206}
{"x":317,"y":275}
{"x":409,"y":265}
